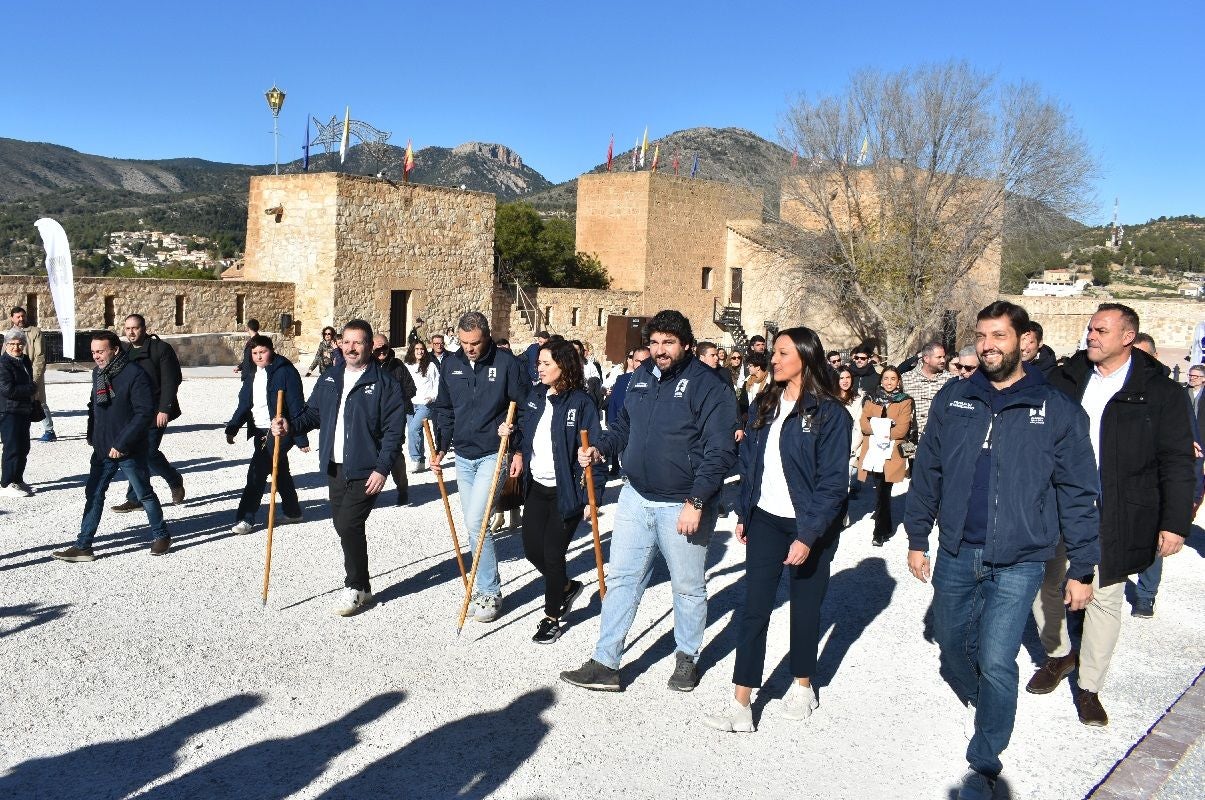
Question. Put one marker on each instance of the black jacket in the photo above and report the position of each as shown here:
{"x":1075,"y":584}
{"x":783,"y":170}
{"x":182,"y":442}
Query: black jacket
{"x":282,"y":375}
{"x":472,"y":401}
{"x":1045,"y":360}
{"x":866,"y":380}
{"x":814,"y":447}
{"x":1146,"y":462}
{"x":373,"y":422}
{"x":571,"y":414}
{"x":675,"y":433}
{"x":124,"y":422}
{"x":397,"y":368}
{"x":158,"y":359}
{"x":17,"y":388}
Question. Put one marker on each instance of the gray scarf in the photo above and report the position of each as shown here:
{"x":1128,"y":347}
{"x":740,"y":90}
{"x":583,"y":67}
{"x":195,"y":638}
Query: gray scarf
{"x":102,"y":378}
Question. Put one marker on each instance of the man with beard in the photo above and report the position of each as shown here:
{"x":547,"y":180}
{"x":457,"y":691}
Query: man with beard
{"x":675,"y":436}
{"x":866,"y":378}
{"x":389,"y":362}
{"x":1005,"y":467}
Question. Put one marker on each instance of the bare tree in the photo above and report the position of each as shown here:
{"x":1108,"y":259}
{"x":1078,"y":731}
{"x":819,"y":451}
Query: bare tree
{"x":906,"y":181}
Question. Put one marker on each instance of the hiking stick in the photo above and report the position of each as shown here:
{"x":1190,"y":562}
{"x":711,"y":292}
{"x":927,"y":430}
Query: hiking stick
{"x":598,"y":557}
{"x":280,"y":409}
{"x":485,"y":520}
{"x":443,"y":491}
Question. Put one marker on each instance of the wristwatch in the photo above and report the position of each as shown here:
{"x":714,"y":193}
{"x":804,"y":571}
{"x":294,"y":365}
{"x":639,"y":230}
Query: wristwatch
{"x":696,"y":502}
{"x":1086,"y":580}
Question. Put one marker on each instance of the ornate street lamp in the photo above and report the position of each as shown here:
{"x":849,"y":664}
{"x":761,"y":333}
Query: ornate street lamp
{"x":276,"y":99}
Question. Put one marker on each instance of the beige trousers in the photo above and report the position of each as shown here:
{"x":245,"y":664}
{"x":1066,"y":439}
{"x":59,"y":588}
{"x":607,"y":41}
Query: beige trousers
{"x":1102,"y":622}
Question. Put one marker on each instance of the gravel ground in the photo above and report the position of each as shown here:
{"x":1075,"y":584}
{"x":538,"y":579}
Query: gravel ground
{"x":164,"y":677}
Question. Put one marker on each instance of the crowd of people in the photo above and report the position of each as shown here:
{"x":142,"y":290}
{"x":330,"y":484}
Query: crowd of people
{"x":1048,"y":481}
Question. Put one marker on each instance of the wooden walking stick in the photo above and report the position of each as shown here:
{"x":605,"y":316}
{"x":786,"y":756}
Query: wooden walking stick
{"x":598,"y":557}
{"x":280,"y":410}
{"x":443,"y":490}
{"x":485,"y":520}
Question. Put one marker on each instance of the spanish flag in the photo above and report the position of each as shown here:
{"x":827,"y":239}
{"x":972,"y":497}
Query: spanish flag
{"x":346,"y":140}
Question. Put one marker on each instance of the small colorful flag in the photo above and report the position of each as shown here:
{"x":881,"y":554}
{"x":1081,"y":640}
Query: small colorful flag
{"x":644,"y":145}
{"x":694,"y":168}
{"x":635,"y":150}
{"x":610,"y":152}
{"x":865,"y":147}
{"x":656,"y":156}
{"x":408,"y":163}
{"x":675,"y":164}
{"x":305,"y":150}
{"x":346,"y":140}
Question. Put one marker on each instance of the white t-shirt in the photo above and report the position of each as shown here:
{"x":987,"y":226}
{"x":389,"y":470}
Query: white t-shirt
{"x":543,"y":471}
{"x":1097,"y":394}
{"x":775,"y":498}
{"x":261,"y":417}
{"x":350,"y":378}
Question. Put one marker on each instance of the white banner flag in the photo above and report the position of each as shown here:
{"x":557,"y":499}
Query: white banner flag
{"x":62,"y":282}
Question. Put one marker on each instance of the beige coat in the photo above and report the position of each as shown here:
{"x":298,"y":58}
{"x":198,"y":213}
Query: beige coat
{"x":37,"y":356}
{"x":901,"y":414}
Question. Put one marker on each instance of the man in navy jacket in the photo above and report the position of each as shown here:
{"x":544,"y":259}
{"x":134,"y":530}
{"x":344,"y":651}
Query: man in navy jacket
{"x":1005,"y":466}
{"x":477,"y":384}
{"x":359,"y":410}
{"x":675,"y":436}
{"x":120,"y":411}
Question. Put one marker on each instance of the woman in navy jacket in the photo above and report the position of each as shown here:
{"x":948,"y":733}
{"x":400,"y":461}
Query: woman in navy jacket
{"x":556,"y":411}
{"x":794,"y":487}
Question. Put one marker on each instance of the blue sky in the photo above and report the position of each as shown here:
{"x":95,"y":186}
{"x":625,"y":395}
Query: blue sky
{"x":554,"y":80}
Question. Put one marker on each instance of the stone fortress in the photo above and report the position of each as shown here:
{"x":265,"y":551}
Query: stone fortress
{"x":326,"y":247}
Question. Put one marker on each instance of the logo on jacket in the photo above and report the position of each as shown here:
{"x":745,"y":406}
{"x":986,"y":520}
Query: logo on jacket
{"x":805,"y":423}
{"x":1037,"y":416}
{"x":571,"y":418}
{"x":962,"y":404}
{"x":493,"y":373}
{"x":531,"y":404}
{"x":641,"y":385}
{"x":368,"y":389}
{"x":457,"y":372}
{"x":329,"y":379}
{"x":680,"y":389}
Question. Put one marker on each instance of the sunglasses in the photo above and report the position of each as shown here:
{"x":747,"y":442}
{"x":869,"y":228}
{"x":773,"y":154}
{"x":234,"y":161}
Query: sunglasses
{"x":965,"y":367}
{"x":861,"y":358}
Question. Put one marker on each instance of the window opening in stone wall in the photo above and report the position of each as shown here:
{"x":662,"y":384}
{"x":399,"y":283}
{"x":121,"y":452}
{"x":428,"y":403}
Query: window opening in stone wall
{"x":707,"y":279}
{"x":548,"y":316}
{"x":31,"y":309}
{"x":623,"y":312}
{"x":179,"y":309}
{"x":576,"y":317}
{"x":602,"y":318}
{"x":110,"y":313}
{"x":240,"y":309}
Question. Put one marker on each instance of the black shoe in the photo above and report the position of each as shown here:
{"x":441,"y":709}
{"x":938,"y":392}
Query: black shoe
{"x":403,"y":500}
{"x":594,"y":676}
{"x":74,"y":554}
{"x":686,"y":674}
{"x":126,"y":507}
{"x":1143,"y":608}
{"x":1091,"y":712}
{"x":575,"y":589}
{"x":877,"y":541}
{"x":548,"y":631}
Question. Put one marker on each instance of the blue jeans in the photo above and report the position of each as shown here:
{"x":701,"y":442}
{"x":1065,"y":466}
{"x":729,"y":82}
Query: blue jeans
{"x":642,"y":528}
{"x":1148,"y":581}
{"x":156,"y":462}
{"x":473,"y":485}
{"x":103,"y":471}
{"x":415,"y":438}
{"x":979,"y":613}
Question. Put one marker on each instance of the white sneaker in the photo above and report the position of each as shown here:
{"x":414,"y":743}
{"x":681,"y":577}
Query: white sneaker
{"x":12,"y":490}
{"x":800,"y":702}
{"x":733,"y":718}
{"x":968,"y":722}
{"x":351,"y":601}
{"x":241,"y":527}
{"x":419,"y":466}
{"x":488,"y":608}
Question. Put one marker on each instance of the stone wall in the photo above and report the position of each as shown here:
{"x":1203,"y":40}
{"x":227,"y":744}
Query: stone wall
{"x":1064,"y":319}
{"x":350,"y":242}
{"x":592,"y":305}
{"x":613,"y":224}
{"x":208,"y":306}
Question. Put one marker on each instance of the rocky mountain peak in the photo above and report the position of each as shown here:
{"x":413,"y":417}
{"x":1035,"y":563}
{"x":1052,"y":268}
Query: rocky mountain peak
{"x":498,"y":152}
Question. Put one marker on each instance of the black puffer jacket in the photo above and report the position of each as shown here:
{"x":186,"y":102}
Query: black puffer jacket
{"x":1146,"y":462}
{"x":16,"y":385}
{"x":158,"y":360}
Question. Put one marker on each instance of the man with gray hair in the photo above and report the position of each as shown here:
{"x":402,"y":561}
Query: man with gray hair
{"x":968,"y":362}
{"x":923,"y":383}
{"x":476,"y":385}
{"x":37,"y":356}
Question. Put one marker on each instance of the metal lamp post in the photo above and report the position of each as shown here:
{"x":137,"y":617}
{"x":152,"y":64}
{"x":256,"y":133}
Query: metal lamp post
{"x":276,"y":99}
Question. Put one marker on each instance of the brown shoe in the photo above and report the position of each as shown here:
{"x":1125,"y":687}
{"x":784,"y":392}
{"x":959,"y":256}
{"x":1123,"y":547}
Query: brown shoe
{"x":1091,"y":712}
{"x":1047,"y":678}
{"x":161,"y":545}
{"x":126,"y":507}
{"x":74,"y":554}
{"x":177,"y":495}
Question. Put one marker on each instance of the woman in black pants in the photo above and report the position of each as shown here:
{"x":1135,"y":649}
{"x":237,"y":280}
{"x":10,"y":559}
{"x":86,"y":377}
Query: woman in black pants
{"x":794,"y":486}
{"x":557,"y":409}
{"x":17,"y":391}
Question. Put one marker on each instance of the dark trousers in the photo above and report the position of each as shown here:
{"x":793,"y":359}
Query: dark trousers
{"x":258,"y":472}
{"x":350,"y":507}
{"x":399,"y":477}
{"x":14,"y":434}
{"x":157,"y":463}
{"x":546,"y":537}
{"x":883,"y":526}
{"x":769,"y":539}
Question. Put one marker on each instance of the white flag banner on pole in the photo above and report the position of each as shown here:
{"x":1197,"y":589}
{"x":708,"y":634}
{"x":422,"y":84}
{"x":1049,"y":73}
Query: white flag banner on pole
{"x":1197,"y":353}
{"x":62,"y":282}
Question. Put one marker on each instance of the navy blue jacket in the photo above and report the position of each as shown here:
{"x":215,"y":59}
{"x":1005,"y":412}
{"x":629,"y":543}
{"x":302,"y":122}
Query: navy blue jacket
{"x":814,"y":447}
{"x":281,"y":375}
{"x":17,"y":388}
{"x":472,"y":401}
{"x":531,"y":358}
{"x":1043,"y":479}
{"x":675,"y":432}
{"x":571,"y":414}
{"x":122,"y":425}
{"x":618,"y":392}
{"x":373,"y":420}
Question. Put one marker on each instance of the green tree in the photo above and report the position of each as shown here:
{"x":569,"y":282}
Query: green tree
{"x":1102,"y":272}
{"x":541,"y":252}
